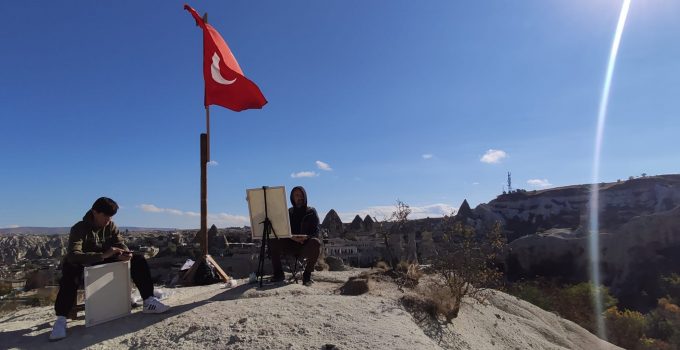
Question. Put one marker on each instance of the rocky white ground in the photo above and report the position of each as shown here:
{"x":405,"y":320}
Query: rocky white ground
{"x":291,"y":316}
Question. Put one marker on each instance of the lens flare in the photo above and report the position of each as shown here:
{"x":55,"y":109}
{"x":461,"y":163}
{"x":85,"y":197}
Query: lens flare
{"x":594,"y":241}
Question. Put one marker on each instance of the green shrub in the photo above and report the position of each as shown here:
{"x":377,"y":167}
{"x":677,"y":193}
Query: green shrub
{"x":654,"y":344}
{"x":625,"y":328}
{"x":535,"y":293}
{"x":664,"y":323}
{"x":575,"y":303}
{"x":670,"y":287}
{"x":5,"y":289}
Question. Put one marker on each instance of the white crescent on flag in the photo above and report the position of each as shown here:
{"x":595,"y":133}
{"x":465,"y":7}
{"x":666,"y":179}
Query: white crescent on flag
{"x":215,"y":71}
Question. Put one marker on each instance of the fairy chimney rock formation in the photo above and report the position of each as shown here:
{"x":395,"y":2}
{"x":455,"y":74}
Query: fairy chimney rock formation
{"x":357,"y":224}
{"x":332,"y":224}
{"x":464,"y":212}
{"x":368,"y":224}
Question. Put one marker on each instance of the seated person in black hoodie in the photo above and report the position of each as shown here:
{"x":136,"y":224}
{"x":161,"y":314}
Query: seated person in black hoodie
{"x":304,"y":224}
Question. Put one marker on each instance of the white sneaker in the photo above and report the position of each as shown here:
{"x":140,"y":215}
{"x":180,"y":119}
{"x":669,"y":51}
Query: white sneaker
{"x":154,"y":306}
{"x":59,"y":329}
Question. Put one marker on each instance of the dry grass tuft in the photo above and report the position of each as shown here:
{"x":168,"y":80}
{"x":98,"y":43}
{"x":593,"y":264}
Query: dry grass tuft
{"x":321,"y":265}
{"x":433,"y":301}
{"x":382,"y":265}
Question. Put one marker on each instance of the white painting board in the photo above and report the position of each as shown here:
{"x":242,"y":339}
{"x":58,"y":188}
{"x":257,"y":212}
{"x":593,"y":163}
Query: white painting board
{"x":107,"y":292}
{"x":277,"y":211}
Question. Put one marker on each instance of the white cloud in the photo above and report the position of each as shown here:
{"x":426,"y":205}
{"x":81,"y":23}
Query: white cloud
{"x":383,"y":212}
{"x":219,"y":219}
{"x":323,"y":166}
{"x":427,"y":156}
{"x":150,"y":208}
{"x":304,"y":174}
{"x":212,"y":163}
{"x":12,"y":226}
{"x":475,"y":183}
{"x":493,"y":156}
{"x":539,"y":183}
{"x":224,"y":220}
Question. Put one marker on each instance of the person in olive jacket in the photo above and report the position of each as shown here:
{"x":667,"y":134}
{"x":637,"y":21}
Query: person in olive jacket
{"x":92,"y":241}
{"x":305,"y":243}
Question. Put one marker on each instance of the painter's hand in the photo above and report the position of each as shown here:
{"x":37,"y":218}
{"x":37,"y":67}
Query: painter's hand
{"x":299,"y":239}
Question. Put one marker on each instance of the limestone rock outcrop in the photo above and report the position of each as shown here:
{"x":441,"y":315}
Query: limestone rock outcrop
{"x":632,"y":256}
{"x":368,"y":223}
{"x":332,"y":224}
{"x":357,"y":224}
{"x":525,"y":213}
{"x":14,"y":248}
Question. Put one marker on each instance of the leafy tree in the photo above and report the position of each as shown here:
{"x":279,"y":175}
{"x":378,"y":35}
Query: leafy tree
{"x":400,"y":218}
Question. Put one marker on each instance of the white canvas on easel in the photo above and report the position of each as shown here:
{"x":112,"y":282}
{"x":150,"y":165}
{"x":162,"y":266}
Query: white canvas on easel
{"x":277,"y":211}
{"x":107,"y":292}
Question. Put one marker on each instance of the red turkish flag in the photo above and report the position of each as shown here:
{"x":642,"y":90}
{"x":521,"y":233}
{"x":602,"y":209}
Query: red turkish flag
{"x":225,"y":84}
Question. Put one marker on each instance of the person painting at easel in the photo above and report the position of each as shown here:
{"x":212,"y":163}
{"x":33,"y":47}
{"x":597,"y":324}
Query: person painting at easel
{"x":305,"y":243}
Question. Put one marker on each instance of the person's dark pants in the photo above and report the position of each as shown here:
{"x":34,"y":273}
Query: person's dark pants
{"x":309,"y":250}
{"x":72,"y":275}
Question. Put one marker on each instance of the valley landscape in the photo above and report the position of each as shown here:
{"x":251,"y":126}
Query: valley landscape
{"x":544,"y":234}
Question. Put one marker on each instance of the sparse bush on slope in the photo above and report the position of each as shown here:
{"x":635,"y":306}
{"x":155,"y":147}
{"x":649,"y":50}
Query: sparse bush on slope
{"x":465,"y":265}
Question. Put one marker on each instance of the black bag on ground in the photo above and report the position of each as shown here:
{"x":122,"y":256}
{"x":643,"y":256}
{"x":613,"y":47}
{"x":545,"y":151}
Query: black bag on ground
{"x":205,"y":274}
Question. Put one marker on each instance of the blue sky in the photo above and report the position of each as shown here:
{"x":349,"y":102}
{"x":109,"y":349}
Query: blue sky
{"x":427,"y":102}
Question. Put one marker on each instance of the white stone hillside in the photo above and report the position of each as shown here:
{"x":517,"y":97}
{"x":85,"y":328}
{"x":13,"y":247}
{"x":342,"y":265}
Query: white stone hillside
{"x":296,"y":317}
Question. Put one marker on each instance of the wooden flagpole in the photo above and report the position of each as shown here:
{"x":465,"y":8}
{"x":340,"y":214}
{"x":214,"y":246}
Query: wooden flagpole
{"x":203,"y":233}
{"x":205,"y":158}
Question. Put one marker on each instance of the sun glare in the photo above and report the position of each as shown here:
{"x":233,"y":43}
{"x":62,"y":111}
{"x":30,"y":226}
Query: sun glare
{"x":594,"y":243}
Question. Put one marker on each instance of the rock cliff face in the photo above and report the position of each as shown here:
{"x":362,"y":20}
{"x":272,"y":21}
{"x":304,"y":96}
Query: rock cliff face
{"x":632,"y":257}
{"x":639,"y":235}
{"x":526,"y":213}
{"x":16,"y":247}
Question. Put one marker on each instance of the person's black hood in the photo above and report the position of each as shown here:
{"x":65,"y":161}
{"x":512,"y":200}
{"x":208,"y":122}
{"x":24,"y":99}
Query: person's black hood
{"x":304,"y":194}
